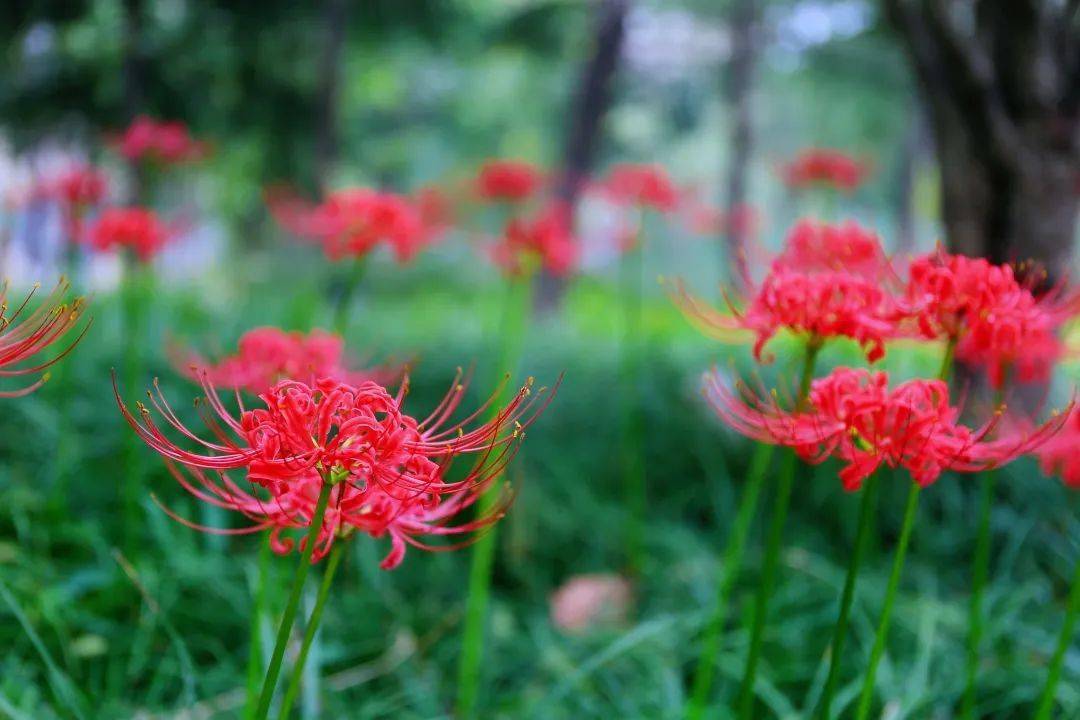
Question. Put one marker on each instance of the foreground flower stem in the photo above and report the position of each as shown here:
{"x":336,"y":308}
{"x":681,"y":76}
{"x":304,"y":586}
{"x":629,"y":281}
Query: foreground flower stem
{"x":310,"y":631}
{"x":867,"y":508}
{"x":981,"y":570}
{"x":514,"y":324}
{"x":1068,"y":629}
{"x":631,"y":436}
{"x":786,"y":478}
{"x":867,"y":695}
{"x":729,"y":571}
{"x":344,"y":300}
{"x":287,"y":620}
{"x":135,"y":293}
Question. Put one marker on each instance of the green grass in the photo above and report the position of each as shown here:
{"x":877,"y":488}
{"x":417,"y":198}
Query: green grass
{"x":172,"y":629}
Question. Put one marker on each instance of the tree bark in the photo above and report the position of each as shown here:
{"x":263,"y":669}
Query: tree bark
{"x":134,"y":88}
{"x":1002,"y":86}
{"x":591,"y":103}
{"x":744,"y":52}
{"x":327,"y":130}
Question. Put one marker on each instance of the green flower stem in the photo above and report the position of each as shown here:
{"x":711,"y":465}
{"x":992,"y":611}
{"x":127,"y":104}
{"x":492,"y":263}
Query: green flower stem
{"x":867,"y":508}
{"x":255,"y":649}
{"x":729,"y":571}
{"x":287,"y":620}
{"x":867,"y":695}
{"x":980,"y":573}
{"x":631,"y":426}
{"x":515,"y":322}
{"x":135,"y":292}
{"x":1068,"y":630}
{"x":786,"y":479}
{"x":310,"y":631}
{"x":344,"y":300}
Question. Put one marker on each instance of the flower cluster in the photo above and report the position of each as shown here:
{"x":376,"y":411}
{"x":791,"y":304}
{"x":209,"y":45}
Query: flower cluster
{"x":507,"y":181}
{"x":147,"y":139}
{"x":825,"y":168}
{"x":386,"y":472}
{"x":639,"y":185}
{"x":544,"y":240}
{"x":78,"y":186}
{"x":267,"y":355}
{"x":25,"y":334}
{"x":353,"y":222}
{"x":135,"y":229}
{"x":1058,"y":455}
{"x":853,"y":415}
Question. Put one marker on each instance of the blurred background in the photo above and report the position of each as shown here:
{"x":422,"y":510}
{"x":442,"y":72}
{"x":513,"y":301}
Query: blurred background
{"x":963,"y":117}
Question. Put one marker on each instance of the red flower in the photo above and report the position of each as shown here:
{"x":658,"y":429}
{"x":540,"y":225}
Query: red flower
{"x":387,"y":470}
{"x":136,"y":229}
{"x":823,"y":167}
{"x":546,"y":239}
{"x":79,"y":186}
{"x":25,"y":334}
{"x":507,"y":180}
{"x":435,"y":211}
{"x":352,"y":222}
{"x":646,"y":186}
{"x":267,"y":355}
{"x":1058,"y":456}
{"x":147,"y":139}
{"x":811,"y":291}
{"x":854,"y":416}
{"x":996,"y":322}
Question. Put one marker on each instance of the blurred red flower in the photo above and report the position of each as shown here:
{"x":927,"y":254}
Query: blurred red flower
{"x":133,"y":228}
{"x":646,"y":186}
{"x":826,"y":168}
{"x":79,"y":186}
{"x":267,"y":355}
{"x":147,"y":139}
{"x":852,"y":415}
{"x":24,"y":334}
{"x":1059,"y":456}
{"x":507,"y":180}
{"x":387,"y":471}
{"x":545,"y":240}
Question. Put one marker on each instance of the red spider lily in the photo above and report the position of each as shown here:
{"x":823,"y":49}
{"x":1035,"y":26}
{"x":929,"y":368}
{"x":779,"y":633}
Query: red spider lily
{"x":825,"y":168}
{"x":267,"y":355}
{"x":388,"y":471}
{"x":147,"y":139}
{"x":1058,"y":455}
{"x":702,"y":218}
{"x":853,"y":415}
{"x":996,"y":322}
{"x":812,"y":292}
{"x":646,"y":186}
{"x":507,"y":181}
{"x":24,"y":334}
{"x":545,"y":240}
{"x":352,"y":222}
{"x":79,"y":186}
{"x":136,"y":229}
{"x":436,"y":213}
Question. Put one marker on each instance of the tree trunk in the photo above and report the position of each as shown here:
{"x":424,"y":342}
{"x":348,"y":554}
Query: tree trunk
{"x":134,"y":88}
{"x":591,"y":103}
{"x":1002,"y":87}
{"x":744,"y":51}
{"x":327,"y":130}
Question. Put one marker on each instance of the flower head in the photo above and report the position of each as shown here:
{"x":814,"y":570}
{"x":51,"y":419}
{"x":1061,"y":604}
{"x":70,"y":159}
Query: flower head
{"x":645,"y":186}
{"x":136,"y":229}
{"x":508,"y":181}
{"x":388,"y":472}
{"x":79,"y":186}
{"x":827,"y":283}
{"x":825,"y":168}
{"x":25,"y":334}
{"x":853,"y":415}
{"x":1058,"y":456}
{"x":546,"y":240}
{"x":267,"y":355}
{"x":147,"y":139}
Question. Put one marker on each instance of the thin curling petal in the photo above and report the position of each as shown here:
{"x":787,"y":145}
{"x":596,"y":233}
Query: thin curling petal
{"x":853,"y":415}
{"x":388,"y":472}
{"x":26,"y":334}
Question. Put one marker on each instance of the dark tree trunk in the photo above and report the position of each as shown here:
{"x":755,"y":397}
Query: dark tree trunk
{"x":911,"y":157}
{"x":740,"y":81}
{"x":134,"y":87}
{"x":590,"y":105}
{"x":327,"y":131}
{"x":1001,"y":80}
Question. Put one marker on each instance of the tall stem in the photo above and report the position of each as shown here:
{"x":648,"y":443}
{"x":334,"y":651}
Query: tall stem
{"x":980,"y":573}
{"x":1068,"y":629}
{"x":729,"y":571}
{"x":867,"y":695}
{"x":310,"y":631}
{"x":514,"y":324}
{"x":134,"y":300}
{"x":784,"y":484}
{"x":632,"y":432}
{"x":287,"y":620}
{"x":344,"y":299}
{"x":867,"y":508}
